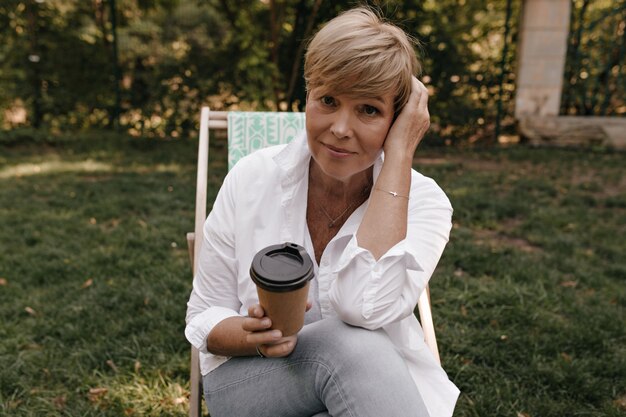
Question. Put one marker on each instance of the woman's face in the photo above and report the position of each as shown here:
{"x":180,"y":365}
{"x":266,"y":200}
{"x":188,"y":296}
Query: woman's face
{"x":346,"y":133}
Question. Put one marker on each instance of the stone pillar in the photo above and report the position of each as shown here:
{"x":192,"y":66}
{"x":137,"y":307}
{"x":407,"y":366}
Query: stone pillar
{"x":541,"y":57}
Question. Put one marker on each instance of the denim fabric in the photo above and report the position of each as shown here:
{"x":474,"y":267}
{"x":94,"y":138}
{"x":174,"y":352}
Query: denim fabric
{"x":335,"y":370}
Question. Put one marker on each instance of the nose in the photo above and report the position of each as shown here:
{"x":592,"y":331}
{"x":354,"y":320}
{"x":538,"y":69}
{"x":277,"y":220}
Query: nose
{"x":341,"y":125}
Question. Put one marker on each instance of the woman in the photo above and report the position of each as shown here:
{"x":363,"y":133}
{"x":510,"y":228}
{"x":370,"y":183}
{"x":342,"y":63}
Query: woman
{"x":344,"y":190}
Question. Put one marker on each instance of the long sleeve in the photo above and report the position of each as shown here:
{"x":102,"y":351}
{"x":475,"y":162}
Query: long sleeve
{"x":371,"y":294}
{"x":214,"y":296}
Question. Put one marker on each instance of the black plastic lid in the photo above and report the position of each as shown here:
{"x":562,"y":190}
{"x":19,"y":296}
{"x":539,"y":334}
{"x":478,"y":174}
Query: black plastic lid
{"x":281,"y":268}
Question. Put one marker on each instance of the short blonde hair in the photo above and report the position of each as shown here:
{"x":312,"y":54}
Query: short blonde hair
{"x":361,"y":54}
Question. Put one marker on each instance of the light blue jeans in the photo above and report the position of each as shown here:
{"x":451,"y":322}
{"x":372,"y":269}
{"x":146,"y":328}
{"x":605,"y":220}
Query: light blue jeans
{"x":335,"y":370}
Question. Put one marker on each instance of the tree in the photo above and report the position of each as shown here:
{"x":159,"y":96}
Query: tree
{"x":176,"y":55}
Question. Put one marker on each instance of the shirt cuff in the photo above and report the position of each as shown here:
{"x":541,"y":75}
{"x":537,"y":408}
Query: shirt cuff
{"x":353,"y":251}
{"x":201,"y":325}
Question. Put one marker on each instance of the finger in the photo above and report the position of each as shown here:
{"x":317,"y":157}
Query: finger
{"x":256,"y":310}
{"x":309,"y":305}
{"x":416,"y":91}
{"x":251,"y":324}
{"x":264,"y":338}
{"x":422,"y":102}
{"x":280,"y":349}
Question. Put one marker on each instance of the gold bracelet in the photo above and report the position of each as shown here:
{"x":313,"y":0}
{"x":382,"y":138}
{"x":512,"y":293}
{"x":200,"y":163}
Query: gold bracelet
{"x":393,"y":193}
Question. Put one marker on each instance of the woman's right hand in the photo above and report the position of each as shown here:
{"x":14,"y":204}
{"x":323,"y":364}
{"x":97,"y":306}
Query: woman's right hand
{"x":409,"y":128}
{"x":270,"y":343}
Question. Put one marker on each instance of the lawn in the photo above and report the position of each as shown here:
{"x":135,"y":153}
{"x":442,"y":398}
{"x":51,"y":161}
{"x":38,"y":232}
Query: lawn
{"x":528,"y":298}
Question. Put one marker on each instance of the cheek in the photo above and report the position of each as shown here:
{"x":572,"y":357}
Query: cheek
{"x":378,"y":135}
{"x":312,"y":119}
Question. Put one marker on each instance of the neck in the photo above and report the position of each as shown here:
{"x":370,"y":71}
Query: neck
{"x":347,"y":190}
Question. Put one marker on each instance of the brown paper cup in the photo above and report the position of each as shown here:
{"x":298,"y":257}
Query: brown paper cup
{"x":282,"y":274}
{"x":285,"y":309}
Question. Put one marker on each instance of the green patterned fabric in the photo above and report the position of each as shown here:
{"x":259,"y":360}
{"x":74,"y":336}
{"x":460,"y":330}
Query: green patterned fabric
{"x":251,"y":131}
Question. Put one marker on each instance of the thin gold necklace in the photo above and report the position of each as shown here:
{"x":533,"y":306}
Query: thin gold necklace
{"x":332,"y":222}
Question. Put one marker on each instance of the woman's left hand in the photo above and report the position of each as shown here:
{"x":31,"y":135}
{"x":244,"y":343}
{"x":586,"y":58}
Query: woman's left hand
{"x":411,"y":125}
{"x":274,"y":348}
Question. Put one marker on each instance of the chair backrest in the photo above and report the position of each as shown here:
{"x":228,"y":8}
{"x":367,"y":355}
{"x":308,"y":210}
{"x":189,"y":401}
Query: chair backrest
{"x":251,"y":131}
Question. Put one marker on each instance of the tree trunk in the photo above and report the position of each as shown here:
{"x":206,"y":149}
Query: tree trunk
{"x":274,"y":30}
{"x":34,"y":59}
{"x":297,"y":57}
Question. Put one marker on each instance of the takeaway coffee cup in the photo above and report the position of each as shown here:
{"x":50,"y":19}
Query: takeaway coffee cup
{"x":282,"y":274}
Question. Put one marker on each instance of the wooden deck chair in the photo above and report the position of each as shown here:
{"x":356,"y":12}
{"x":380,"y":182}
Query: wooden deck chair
{"x":247,"y":132}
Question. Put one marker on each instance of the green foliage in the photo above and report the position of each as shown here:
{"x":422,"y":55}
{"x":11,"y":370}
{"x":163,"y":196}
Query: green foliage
{"x":57,"y":68}
{"x":595,"y":80}
{"x":177,"y":55}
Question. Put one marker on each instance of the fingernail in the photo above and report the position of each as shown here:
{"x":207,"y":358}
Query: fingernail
{"x":277,"y":334}
{"x":265,"y":322}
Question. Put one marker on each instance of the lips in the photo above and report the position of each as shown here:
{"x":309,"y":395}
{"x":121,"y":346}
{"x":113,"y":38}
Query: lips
{"x":338,"y":150}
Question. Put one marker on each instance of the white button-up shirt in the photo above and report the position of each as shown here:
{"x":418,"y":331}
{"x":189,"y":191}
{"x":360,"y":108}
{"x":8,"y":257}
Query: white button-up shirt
{"x":262,"y":202}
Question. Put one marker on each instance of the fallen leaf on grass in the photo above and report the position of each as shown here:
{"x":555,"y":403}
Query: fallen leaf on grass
{"x":113,"y":223}
{"x":466,"y":361}
{"x":589,"y":292}
{"x":621,"y":402}
{"x":566,"y":357}
{"x":30,"y":311}
{"x":31,"y":346}
{"x":463,"y":311}
{"x":569,"y":284}
{"x":96,"y":393}
{"x":519,"y":414}
{"x":59,"y":402}
{"x":112,"y":365}
{"x":87,"y":283}
{"x":137,"y":366}
{"x":14,"y":404}
{"x":93,"y":220}
{"x":3,"y":282}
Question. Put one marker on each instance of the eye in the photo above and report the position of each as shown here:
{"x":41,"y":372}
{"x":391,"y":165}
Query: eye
{"x":370,"y":110}
{"x":327,"y":101}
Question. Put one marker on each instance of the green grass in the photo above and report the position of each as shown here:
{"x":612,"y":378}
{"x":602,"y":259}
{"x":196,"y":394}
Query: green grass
{"x":528,"y":298}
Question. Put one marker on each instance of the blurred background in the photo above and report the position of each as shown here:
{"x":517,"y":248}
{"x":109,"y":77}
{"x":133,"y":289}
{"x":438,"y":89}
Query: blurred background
{"x":146,"y":67}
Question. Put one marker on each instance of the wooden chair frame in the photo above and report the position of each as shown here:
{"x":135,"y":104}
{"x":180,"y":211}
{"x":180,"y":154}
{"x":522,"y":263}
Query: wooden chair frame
{"x":217,"y":120}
